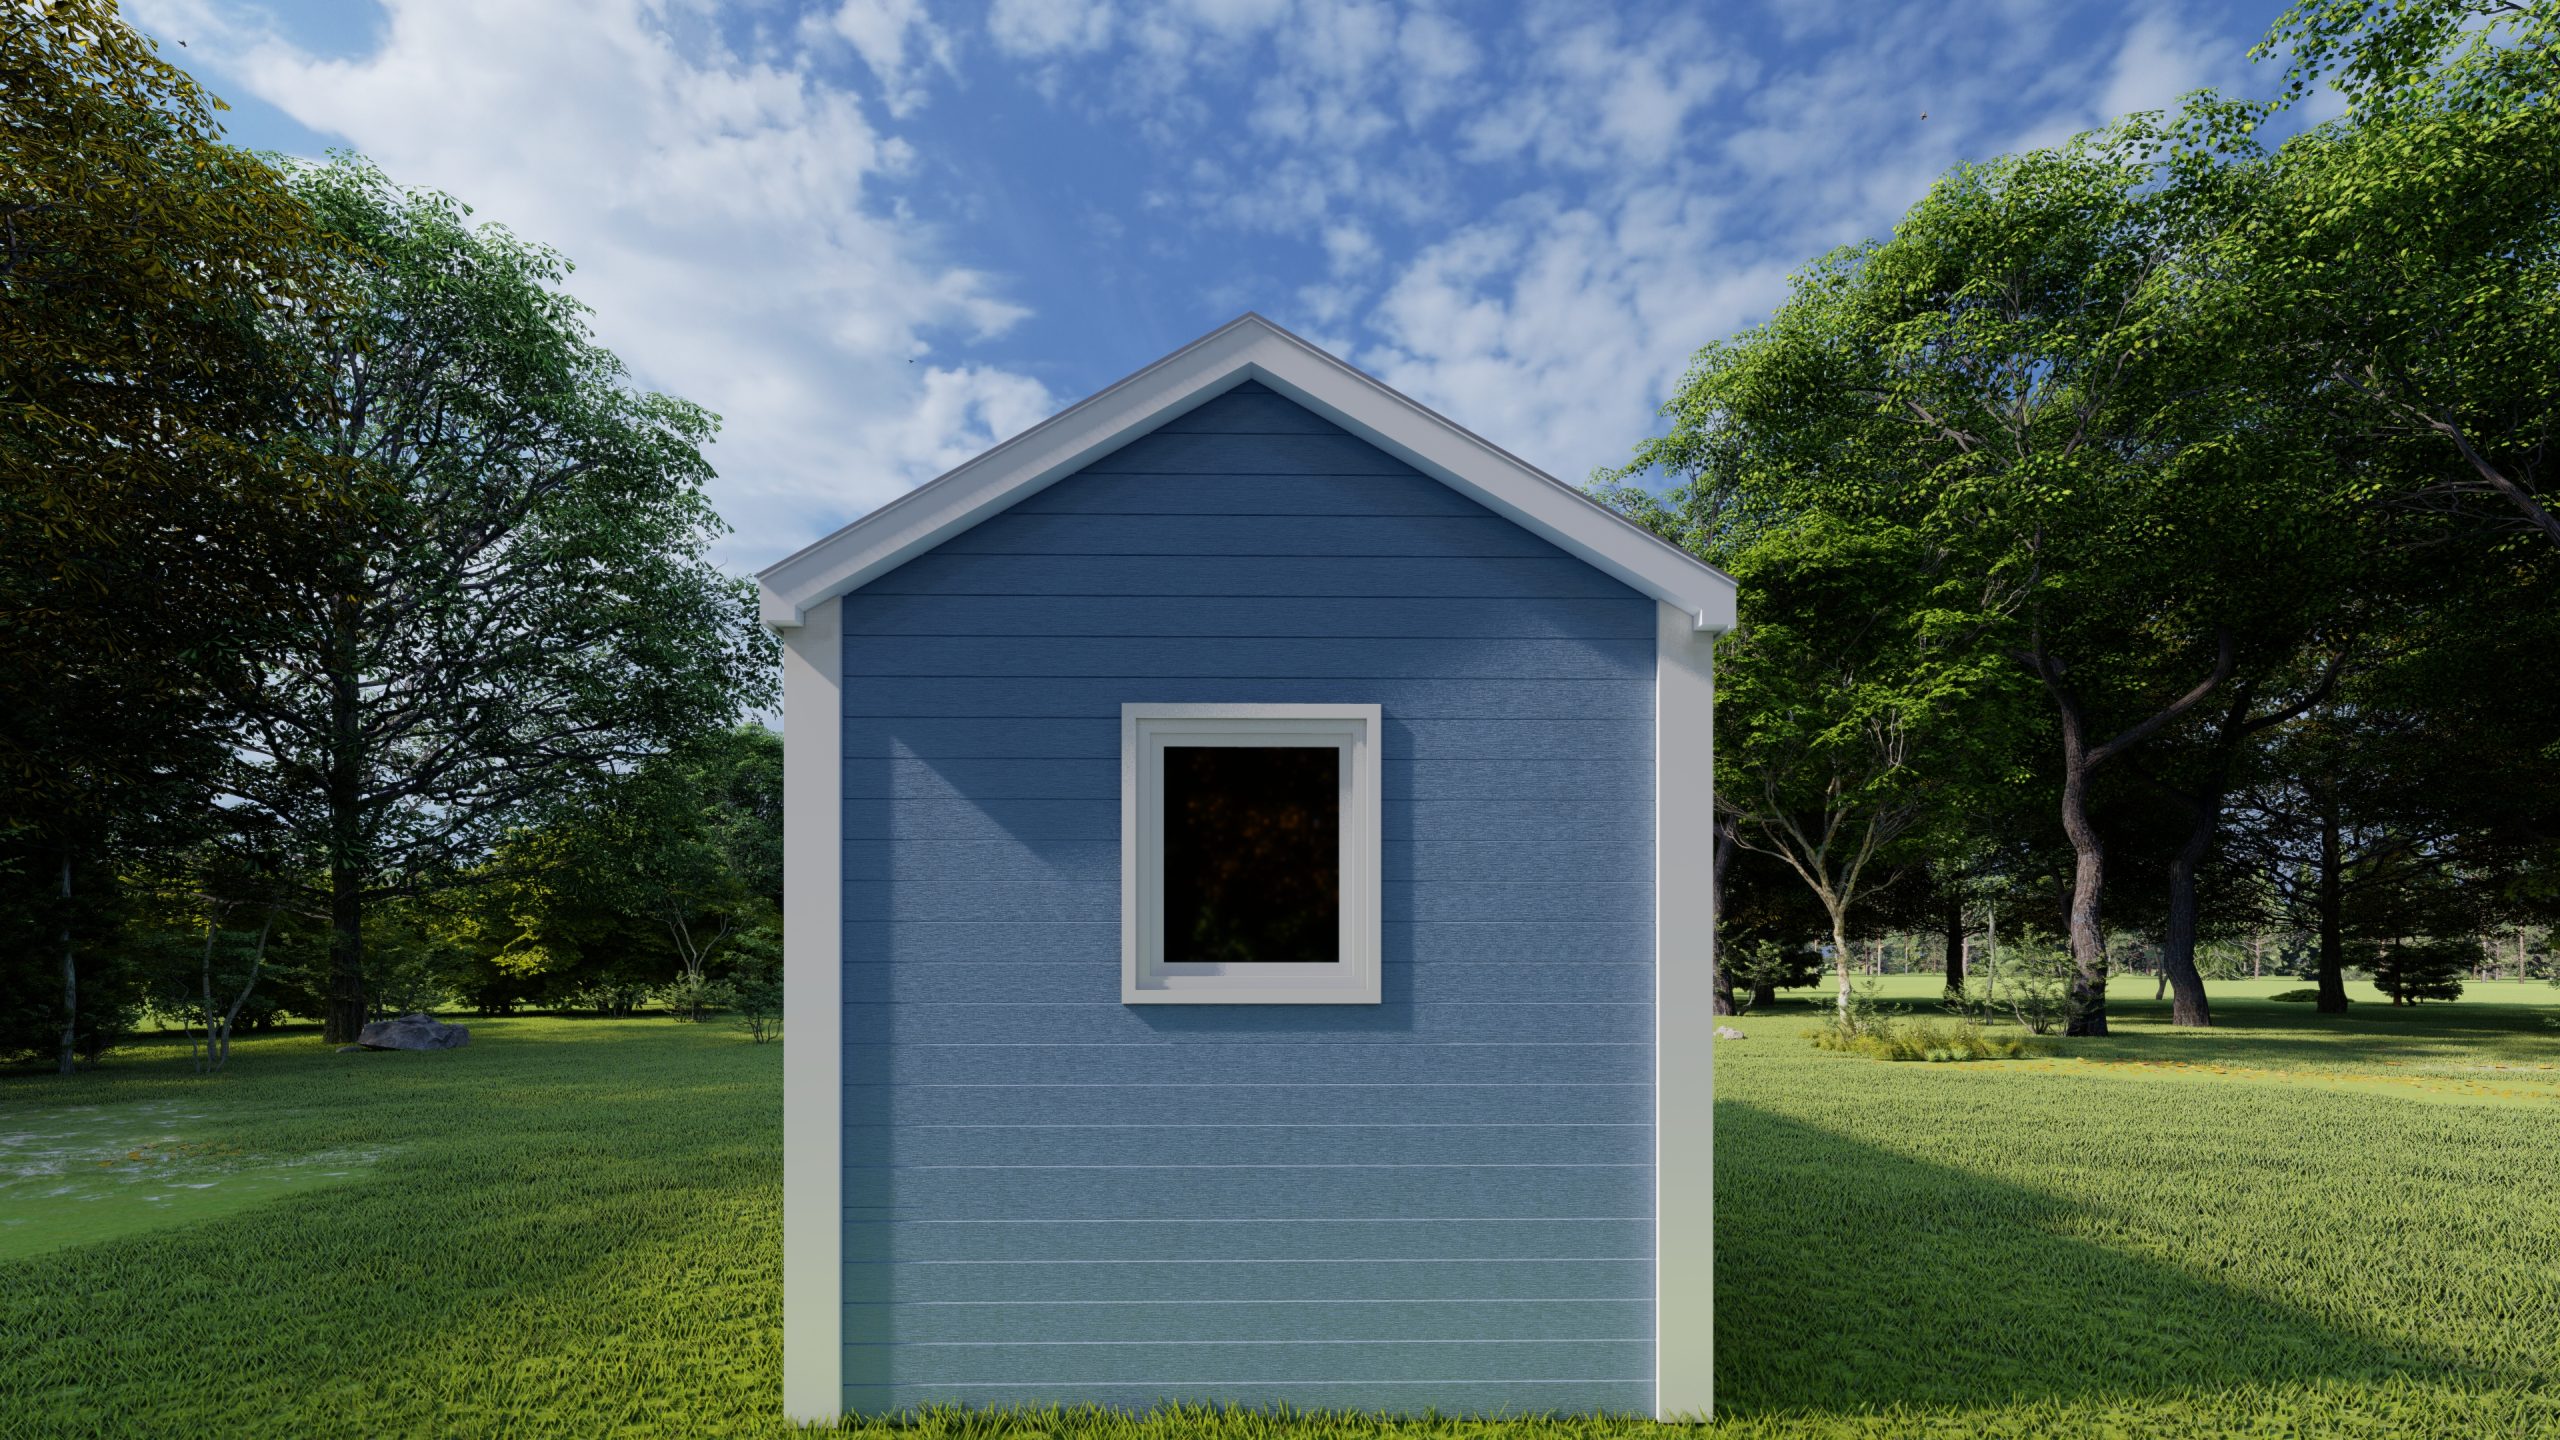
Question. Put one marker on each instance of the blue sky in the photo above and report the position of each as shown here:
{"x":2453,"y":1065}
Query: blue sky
{"x":878,"y":236}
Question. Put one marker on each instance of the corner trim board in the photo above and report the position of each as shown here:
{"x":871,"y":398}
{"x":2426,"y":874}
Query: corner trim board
{"x":1684,"y":849}
{"x":813,"y":1016}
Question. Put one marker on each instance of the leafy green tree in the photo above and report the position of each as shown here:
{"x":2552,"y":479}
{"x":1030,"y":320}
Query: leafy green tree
{"x":755,"y":981}
{"x":39,"y":928}
{"x":204,"y":931}
{"x":1853,"y":696}
{"x":659,"y":870}
{"x":693,"y":843}
{"x":1837,"y":699}
{"x":1767,"y":922}
{"x":2023,"y":383}
{"x":2406,"y":256}
{"x":2201,"y":775}
{"x":2097,"y":456}
{"x":153,"y":503}
{"x":526,"y":603}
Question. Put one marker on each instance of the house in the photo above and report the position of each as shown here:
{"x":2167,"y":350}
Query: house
{"x":1248,"y":919}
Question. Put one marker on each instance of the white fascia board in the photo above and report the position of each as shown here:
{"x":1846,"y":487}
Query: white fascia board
{"x":1247,"y":348}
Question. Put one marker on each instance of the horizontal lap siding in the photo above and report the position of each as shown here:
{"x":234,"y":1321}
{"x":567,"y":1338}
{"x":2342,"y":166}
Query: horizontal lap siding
{"x":1441,"y":1201}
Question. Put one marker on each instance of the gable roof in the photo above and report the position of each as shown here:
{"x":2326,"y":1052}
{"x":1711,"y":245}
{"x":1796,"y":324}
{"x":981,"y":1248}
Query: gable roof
{"x":1247,"y":348}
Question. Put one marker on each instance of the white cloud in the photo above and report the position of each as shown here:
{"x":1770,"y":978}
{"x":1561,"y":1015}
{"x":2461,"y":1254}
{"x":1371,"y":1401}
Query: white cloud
{"x":1230,"y":17}
{"x":1595,"y":96}
{"x":2162,"y":58}
{"x":882,"y":32}
{"x":1556,"y":330}
{"x":719,"y":211}
{"x":959,"y":408}
{"x":1349,"y":248}
{"x":1662,"y":184}
{"x":1434,"y":57}
{"x":1048,"y":27}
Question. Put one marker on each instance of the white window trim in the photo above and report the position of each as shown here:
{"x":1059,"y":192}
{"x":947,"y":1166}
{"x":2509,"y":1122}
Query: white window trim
{"x":1144,"y":978}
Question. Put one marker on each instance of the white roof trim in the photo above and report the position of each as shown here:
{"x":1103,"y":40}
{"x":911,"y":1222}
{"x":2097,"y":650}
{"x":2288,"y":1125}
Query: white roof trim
{"x":1249,"y":347}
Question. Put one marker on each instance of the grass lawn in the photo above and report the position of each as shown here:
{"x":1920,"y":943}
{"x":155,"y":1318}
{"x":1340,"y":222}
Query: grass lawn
{"x":2286,"y":1227}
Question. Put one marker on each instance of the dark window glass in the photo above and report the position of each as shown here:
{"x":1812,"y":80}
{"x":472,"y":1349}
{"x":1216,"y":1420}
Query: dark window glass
{"x":1252,"y":854}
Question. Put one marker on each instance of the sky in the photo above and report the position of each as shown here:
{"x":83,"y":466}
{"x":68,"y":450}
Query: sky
{"x":879,"y":236}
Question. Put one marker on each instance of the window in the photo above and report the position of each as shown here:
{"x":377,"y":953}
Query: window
{"x":1249,"y":854}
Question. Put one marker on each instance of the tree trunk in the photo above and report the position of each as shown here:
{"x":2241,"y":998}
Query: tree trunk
{"x":1840,"y":949}
{"x":231,"y":1017}
{"x":2088,"y":879}
{"x":70,"y":977}
{"x":344,"y":1018}
{"x":1955,"y":947}
{"x":2333,"y":969}
{"x":2088,"y":854}
{"x":212,"y":932}
{"x":1722,"y":857}
{"x":2178,"y":936}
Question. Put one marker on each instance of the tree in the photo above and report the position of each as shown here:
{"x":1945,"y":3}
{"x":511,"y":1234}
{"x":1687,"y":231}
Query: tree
{"x":39,"y":927}
{"x":755,"y":966}
{"x":153,"y":508}
{"x":524,"y":606}
{"x":2406,"y":257}
{"x":1835,"y":696}
{"x":1766,"y":921}
{"x":693,"y":843}
{"x":2095,"y":452}
{"x":1859,"y":689}
{"x":2201,"y":791}
{"x":2425,"y":969}
{"x":1838,"y":695}
{"x":2339,"y":820}
{"x":679,"y":860}
{"x":2024,"y":382}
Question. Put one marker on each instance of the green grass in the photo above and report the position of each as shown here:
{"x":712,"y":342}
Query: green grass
{"x":2292,"y":1225}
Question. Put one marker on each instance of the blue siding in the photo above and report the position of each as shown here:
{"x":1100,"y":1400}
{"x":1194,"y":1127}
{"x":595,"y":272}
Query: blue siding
{"x":1442,"y":1201}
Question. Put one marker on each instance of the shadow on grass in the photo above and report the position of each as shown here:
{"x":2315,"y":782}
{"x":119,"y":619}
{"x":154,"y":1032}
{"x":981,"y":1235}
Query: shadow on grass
{"x":1849,"y":1278}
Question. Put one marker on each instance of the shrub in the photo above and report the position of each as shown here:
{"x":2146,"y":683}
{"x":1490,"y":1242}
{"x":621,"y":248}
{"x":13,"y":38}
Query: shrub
{"x":1971,"y":1003}
{"x":1937,"y":1042}
{"x":690,"y":997}
{"x":2304,"y":996}
{"x":755,"y":969}
{"x":2034,"y":982}
{"x":612,"y":999}
{"x":1761,"y":967}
